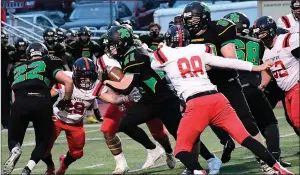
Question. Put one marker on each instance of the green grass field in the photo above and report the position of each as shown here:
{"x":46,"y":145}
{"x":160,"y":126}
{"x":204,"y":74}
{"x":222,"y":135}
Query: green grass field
{"x":98,"y":160}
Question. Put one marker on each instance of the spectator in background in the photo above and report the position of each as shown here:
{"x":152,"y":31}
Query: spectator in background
{"x":153,"y":38}
{"x":3,"y":16}
{"x":178,"y":20}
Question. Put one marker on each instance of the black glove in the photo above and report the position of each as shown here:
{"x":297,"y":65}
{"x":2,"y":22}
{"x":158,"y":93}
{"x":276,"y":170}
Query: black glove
{"x":105,"y":75}
{"x":98,"y":115}
{"x":63,"y":104}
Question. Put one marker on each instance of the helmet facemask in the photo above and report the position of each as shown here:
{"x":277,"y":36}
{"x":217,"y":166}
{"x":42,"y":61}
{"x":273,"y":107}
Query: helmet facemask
{"x":266,"y":36}
{"x":84,"y":79}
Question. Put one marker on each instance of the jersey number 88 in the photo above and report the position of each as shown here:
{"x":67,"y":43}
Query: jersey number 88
{"x":191,"y":67}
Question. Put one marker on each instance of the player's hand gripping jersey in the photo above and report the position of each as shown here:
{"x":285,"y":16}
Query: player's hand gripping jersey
{"x":186,"y":67}
{"x":81,"y":100}
{"x":286,"y":66}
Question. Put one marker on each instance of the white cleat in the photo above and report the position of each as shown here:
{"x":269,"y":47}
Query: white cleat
{"x":153,"y":156}
{"x":266,"y":169}
{"x":199,"y":172}
{"x":12,"y":160}
{"x":171,"y":161}
{"x":214,"y":165}
{"x":121,"y":170}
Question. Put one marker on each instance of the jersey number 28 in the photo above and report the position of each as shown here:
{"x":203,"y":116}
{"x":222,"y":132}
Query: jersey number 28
{"x":191,"y":66}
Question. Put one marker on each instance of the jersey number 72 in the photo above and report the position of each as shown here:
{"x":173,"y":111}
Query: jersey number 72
{"x":191,"y":66}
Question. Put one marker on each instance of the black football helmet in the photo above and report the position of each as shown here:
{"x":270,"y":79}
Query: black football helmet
{"x":241,"y":20}
{"x":196,"y":16}
{"x":36,"y":49}
{"x":84,"y":74}
{"x":265,"y":28}
{"x":120,"y":39}
{"x":71,"y":34}
{"x":295,"y":8}
{"x":21,"y":45}
{"x":177,"y":36}
{"x":4,"y":37}
{"x":61,"y":34}
{"x":115,"y":23}
{"x":50,"y":36}
{"x":84,"y":34}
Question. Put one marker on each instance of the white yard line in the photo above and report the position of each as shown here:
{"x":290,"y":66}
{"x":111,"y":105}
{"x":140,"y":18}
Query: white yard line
{"x":94,"y":166}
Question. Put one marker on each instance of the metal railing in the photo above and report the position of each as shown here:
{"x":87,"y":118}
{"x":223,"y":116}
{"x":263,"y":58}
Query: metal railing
{"x":97,"y":33}
{"x":13,"y":33}
{"x":20,"y":31}
{"x":15,"y":18}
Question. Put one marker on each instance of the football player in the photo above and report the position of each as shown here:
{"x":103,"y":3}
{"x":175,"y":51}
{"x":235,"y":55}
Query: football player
{"x":291,"y":21}
{"x":86,"y":88}
{"x":110,"y":125}
{"x":71,"y":36}
{"x":153,"y":38}
{"x":185,"y":66}
{"x":19,"y":55}
{"x":55,"y":48}
{"x":30,"y":82}
{"x":61,"y":35}
{"x":252,"y":50}
{"x":283,"y":50}
{"x":158,"y":100}
{"x":220,"y":35}
{"x":84,"y":46}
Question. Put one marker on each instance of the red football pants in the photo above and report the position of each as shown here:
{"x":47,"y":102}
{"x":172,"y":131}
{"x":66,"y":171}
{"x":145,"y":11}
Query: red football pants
{"x":200,"y":112}
{"x":75,"y":134}
{"x":113,"y":115}
{"x":292,"y":105}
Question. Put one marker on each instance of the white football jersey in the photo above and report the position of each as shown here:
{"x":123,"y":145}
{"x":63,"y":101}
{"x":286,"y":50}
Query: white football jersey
{"x":81,"y":100}
{"x":185,"y":66}
{"x":286,"y":67}
{"x":105,"y":62}
{"x":289,"y":23}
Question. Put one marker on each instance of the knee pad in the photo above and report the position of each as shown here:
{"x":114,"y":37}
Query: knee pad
{"x":77,"y":154}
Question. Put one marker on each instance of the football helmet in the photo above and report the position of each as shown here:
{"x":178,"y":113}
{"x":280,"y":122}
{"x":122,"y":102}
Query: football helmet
{"x":21,"y":44}
{"x":196,"y":17}
{"x":61,"y":34}
{"x":84,"y":74}
{"x":120,"y":39}
{"x":36,"y":49}
{"x":50,"y":36}
{"x":265,"y":28}
{"x":295,"y":8}
{"x":177,"y":36}
{"x":241,"y":20}
{"x":71,"y":34}
{"x":84,"y":34}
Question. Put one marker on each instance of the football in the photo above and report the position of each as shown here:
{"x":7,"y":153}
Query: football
{"x":115,"y":74}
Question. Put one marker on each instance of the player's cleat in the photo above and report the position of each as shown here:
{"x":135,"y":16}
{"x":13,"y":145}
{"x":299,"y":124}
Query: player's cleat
{"x":199,"y":172}
{"x":285,"y":164}
{"x":62,"y":169}
{"x":14,"y":156}
{"x":214,"y":165}
{"x":187,"y":172}
{"x":153,"y":156}
{"x":281,"y":169}
{"x":50,"y":170}
{"x":26,"y":171}
{"x":266,"y":169}
{"x":171,"y":161}
{"x":92,"y":120}
{"x":121,"y":170}
{"x":228,"y":148}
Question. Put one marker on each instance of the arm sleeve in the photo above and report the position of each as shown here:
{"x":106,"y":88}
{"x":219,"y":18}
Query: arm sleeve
{"x":226,"y":62}
{"x":226,"y":31}
{"x":296,"y":52}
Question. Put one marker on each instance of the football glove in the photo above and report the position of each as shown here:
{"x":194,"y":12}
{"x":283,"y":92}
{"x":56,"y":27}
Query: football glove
{"x":63,"y":104}
{"x":105,"y":75}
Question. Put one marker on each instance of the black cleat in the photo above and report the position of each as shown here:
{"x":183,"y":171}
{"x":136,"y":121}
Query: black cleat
{"x":228,"y":148}
{"x":285,"y":164}
{"x":26,"y":171}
